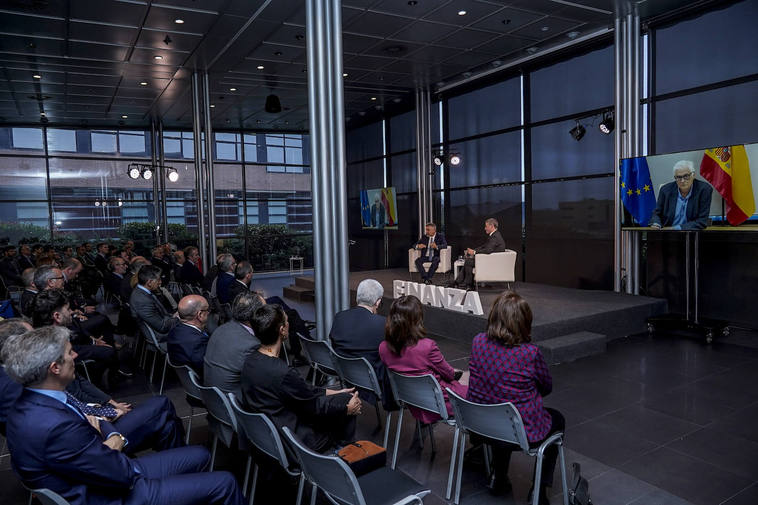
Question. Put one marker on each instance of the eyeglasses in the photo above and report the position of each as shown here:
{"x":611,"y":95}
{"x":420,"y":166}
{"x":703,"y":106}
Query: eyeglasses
{"x":685,"y":177}
{"x":56,"y":278}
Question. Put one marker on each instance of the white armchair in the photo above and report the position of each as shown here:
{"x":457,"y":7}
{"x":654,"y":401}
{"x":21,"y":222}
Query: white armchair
{"x":445,"y":264}
{"x":495,"y":267}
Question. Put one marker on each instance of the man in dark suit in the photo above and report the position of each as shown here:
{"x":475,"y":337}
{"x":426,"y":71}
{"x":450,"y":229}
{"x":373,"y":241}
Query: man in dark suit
{"x":56,"y":444}
{"x":230,"y":344}
{"x":9,"y":270}
{"x":225,"y":279}
{"x":357,"y":333}
{"x":186,"y":342}
{"x":430,"y":245}
{"x":494,"y":243}
{"x":158,"y":260}
{"x":243,"y":276}
{"x":146,"y":306}
{"x":27,"y":277}
{"x":25,"y":259}
{"x":117,"y":268}
{"x":101,"y":258}
{"x":378,"y":214}
{"x":191,"y":274}
{"x":685,"y":203}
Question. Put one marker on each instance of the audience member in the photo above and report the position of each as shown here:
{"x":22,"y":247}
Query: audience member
{"x":186,"y":342}
{"x":506,"y":367}
{"x":350,"y":343}
{"x":191,"y":273}
{"x":25,"y":259}
{"x":231,"y":344}
{"x":321,"y":418}
{"x":158,"y":260}
{"x":101,"y":258}
{"x":113,"y":280}
{"x":406,"y":350}
{"x":225,"y":278}
{"x":9,"y":270}
{"x":243,"y":276}
{"x":146,"y":306}
{"x":178,"y":263}
{"x":55,"y":445}
{"x":27,"y":277}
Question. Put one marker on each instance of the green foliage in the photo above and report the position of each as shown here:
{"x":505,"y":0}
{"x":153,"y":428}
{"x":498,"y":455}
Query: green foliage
{"x":271,"y":245}
{"x":142,"y":232}
{"x":14,"y":233}
{"x":180,"y":235}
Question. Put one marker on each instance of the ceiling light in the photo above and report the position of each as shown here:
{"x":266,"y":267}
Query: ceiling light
{"x":143,"y":83}
{"x":497,"y":63}
{"x":42,"y":114}
{"x":147,"y":173}
{"x":412,"y":2}
{"x":157,"y":57}
{"x":373,"y":98}
{"x":232,"y":89}
{"x":344,"y":75}
{"x":124,"y":116}
{"x":179,"y":21}
{"x":578,"y":131}
{"x":37,"y":76}
{"x":260,"y":67}
{"x":172,"y":175}
{"x":572,"y":35}
{"x":455,"y":159}
{"x":97,"y":203}
{"x":438,"y":159}
{"x":133,"y":172}
{"x":607,"y":124}
{"x":211,"y":106}
{"x":120,"y":202}
{"x":466,"y":74}
{"x":397,"y":99}
{"x":461,"y":13}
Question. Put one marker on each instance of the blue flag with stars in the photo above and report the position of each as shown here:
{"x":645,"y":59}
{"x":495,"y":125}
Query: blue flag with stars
{"x":637,"y":189}
{"x":365,"y":209}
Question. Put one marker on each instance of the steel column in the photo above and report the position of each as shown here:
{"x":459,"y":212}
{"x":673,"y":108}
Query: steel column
{"x":424,"y":178}
{"x":211,"y":187}
{"x":199,"y":180}
{"x":326,"y":116}
{"x":619,"y":112}
{"x":156,"y":183}
{"x":164,"y":196}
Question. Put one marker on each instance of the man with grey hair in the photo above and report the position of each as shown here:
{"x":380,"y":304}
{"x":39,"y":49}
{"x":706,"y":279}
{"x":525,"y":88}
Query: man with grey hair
{"x":493,"y":244}
{"x":685,"y":203}
{"x":357,"y":333}
{"x":231,"y":344}
{"x":48,"y":277}
{"x":187,"y":340}
{"x":56,"y":444}
{"x":225,"y":278}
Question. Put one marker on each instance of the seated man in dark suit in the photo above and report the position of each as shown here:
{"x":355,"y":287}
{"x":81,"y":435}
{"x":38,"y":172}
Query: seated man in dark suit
{"x":101,"y":258}
{"x":494,"y":243}
{"x":430,"y":245}
{"x":9,"y":269}
{"x":158,"y":260}
{"x":357,"y":333}
{"x":231,"y":344}
{"x":25,"y":259}
{"x":685,"y":203}
{"x":151,"y":425}
{"x":190,"y":272}
{"x":27,"y":277}
{"x":117,"y":268}
{"x":243,"y":276}
{"x":56,"y":444}
{"x":187,"y":340}
{"x":226,"y":266}
{"x":145,"y":304}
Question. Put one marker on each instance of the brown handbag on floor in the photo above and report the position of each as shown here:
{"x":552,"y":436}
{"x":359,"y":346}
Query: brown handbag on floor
{"x":363,"y":456}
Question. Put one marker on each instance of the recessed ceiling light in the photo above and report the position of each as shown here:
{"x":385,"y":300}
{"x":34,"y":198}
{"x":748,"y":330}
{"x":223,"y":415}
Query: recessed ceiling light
{"x":157,"y":57}
{"x":278,"y":53}
{"x":344,"y":75}
{"x":412,"y":2}
{"x":37,"y":76}
{"x":461,"y":13}
{"x":260,"y":67}
{"x":572,"y":35}
{"x":41,"y":113}
{"x":257,"y":121}
{"x":212,"y":106}
{"x":124,"y":116}
{"x":143,"y":83}
{"x":373,"y":98}
{"x":545,"y":28}
{"x":232,"y":89}
{"x":179,"y":21}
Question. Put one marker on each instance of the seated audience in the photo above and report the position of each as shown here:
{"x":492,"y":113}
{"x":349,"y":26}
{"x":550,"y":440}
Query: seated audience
{"x":151,"y":425}
{"x":145,"y":304}
{"x":348,"y":342}
{"x":9,"y":269}
{"x":231,"y":344}
{"x":243,"y":276}
{"x":112,"y":281}
{"x":27,"y":277}
{"x":81,"y":255}
{"x":506,"y":367}
{"x":406,"y":350}
{"x":225,"y":278}
{"x":54,"y":444}
{"x":25,"y":258}
{"x":186,"y":342}
{"x":92,"y":322}
{"x":101,"y":258}
{"x":158,"y":260}
{"x":191,"y":273}
{"x":178,"y":264}
{"x":321,"y":418}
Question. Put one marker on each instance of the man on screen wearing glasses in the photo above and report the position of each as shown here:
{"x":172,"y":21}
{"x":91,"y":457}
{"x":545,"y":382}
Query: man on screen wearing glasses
{"x":685,"y":203}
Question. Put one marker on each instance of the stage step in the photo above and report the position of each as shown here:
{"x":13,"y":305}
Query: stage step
{"x":572,"y":347}
{"x":298,"y":293}
{"x":305,"y":282}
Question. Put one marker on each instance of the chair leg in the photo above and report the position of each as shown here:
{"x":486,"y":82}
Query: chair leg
{"x":300,"y":487}
{"x":563,"y":475}
{"x":314,"y":493}
{"x":31,"y":496}
{"x":461,"y":453}
{"x":378,"y":415}
{"x":163,"y":377}
{"x":213,"y":451}
{"x":431,"y":438}
{"x":487,"y":457}
{"x":387,"y":429}
{"x":189,"y":425}
{"x":251,"y":500}
{"x":537,"y":480}
{"x":247,"y":472}
{"x":152,"y":366}
{"x":452,"y":463}
{"x":419,"y":434}
{"x":397,"y":438}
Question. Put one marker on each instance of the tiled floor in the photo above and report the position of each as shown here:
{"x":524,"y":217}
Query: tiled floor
{"x":653,"y":421}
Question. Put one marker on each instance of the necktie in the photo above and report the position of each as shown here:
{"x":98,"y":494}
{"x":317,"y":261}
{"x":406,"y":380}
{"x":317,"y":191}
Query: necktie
{"x":91,"y":410}
{"x":429,"y":250}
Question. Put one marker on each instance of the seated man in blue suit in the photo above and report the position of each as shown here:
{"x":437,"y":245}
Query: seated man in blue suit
{"x":357,"y":333}
{"x":685,"y":203}
{"x":187,"y":340}
{"x":225,"y":279}
{"x":55,"y":444}
{"x":153,"y":424}
{"x":430,"y":245}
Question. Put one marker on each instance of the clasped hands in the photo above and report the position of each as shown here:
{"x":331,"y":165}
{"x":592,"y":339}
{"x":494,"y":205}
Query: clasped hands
{"x":354,"y":405}
{"x":423,"y":246}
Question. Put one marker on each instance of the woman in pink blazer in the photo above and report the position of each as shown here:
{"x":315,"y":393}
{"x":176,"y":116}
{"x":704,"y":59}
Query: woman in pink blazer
{"x":406,"y":350}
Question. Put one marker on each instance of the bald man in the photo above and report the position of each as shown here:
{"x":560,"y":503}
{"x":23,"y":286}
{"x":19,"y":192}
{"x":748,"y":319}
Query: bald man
{"x":187,"y":340}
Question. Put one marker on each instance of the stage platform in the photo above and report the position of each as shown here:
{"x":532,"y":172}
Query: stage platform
{"x":568,"y":323}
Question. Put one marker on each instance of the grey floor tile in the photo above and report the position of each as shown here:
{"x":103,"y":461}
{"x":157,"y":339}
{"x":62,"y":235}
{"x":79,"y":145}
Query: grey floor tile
{"x":648,"y":424}
{"x":747,"y":496}
{"x":615,"y":487}
{"x":659,"y":497}
{"x":740,"y":423}
{"x":605,"y":444}
{"x":689,"y":404}
{"x":719,"y":448}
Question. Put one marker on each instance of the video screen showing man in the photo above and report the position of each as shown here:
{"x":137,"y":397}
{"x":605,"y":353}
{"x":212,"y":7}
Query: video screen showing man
{"x":378,"y":213}
{"x":430,"y":245}
{"x":493,"y":244}
{"x":685,"y":203}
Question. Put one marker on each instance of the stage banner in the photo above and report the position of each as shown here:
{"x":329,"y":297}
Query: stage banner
{"x":637,"y":189}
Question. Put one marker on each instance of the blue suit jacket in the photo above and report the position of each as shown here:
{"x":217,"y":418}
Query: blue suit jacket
{"x":698,"y":206}
{"x":186,"y":346}
{"x":52,"y":447}
{"x":439,"y":239}
{"x":223,"y":281}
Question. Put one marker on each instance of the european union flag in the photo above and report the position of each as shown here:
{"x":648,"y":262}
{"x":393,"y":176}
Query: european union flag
{"x":365,"y":209}
{"x":637,"y":189}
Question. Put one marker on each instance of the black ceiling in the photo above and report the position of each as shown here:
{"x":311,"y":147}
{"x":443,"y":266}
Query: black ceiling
{"x":93,"y":56}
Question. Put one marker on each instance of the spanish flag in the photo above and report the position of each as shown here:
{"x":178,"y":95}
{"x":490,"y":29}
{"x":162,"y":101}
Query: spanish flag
{"x":728,"y":170}
{"x":389,"y":204}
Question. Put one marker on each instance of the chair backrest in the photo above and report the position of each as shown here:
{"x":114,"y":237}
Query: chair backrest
{"x":329,"y":473}
{"x":422,"y":391}
{"x":500,"y":421}
{"x":47,"y":497}
{"x":183,"y":372}
{"x":358,"y":372}
{"x":319,"y":352}
{"x":151,"y":338}
{"x":496,"y":267}
{"x":218,"y":407}
{"x":260,"y":431}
